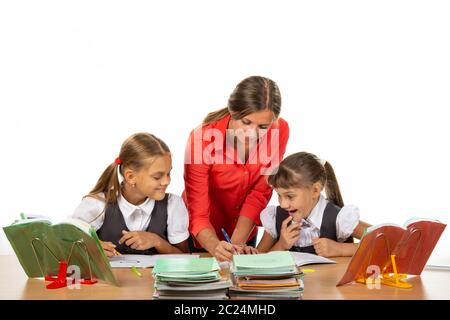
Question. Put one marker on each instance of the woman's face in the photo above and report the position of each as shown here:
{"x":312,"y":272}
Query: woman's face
{"x":252,"y":125}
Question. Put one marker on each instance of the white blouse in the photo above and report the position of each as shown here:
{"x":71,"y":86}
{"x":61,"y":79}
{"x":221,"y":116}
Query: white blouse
{"x":137,"y":218}
{"x":346,"y":222}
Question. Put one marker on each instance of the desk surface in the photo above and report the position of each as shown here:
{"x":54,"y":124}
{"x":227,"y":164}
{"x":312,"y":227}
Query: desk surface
{"x":14,"y":284}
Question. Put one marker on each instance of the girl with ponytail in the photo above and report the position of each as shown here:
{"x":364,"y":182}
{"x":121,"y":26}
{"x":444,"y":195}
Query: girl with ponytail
{"x":306,"y":221}
{"x":136,"y":215}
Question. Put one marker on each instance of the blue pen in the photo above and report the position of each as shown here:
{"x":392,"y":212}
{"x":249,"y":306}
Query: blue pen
{"x":225,"y":234}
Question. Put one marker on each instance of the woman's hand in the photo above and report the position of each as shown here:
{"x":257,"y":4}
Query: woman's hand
{"x":289,"y":235}
{"x":224,"y":251}
{"x":140,"y":240}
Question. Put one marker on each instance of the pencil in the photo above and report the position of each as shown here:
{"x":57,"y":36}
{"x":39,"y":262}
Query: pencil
{"x":135,"y":271}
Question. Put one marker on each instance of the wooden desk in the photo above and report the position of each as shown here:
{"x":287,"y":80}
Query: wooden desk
{"x":14,"y":284}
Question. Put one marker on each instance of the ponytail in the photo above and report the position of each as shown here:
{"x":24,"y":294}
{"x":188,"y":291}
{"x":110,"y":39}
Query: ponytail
{"x":134,"y":154}
{"x":108,"y":184}
{"x":215,"y":116}
{"x":302,"y":169}
{"x":332,"y":187}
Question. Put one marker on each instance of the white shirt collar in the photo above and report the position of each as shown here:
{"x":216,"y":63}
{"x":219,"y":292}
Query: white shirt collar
{"x":128,"y":208}
{"x":315,"y":217}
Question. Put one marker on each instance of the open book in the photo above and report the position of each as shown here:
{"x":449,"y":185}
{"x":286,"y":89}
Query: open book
{"x":411,"y":244}
{"x":40,"y":245}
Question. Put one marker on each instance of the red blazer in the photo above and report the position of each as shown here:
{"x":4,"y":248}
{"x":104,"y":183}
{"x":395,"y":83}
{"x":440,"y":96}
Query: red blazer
{"x":218,"y":188}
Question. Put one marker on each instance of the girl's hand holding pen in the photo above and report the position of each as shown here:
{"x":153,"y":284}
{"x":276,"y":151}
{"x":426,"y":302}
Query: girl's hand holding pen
{"x":109,"y":248}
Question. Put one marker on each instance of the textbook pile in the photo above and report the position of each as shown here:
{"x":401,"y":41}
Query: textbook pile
{"x":266,"y":276}
{"x":189,"y":278}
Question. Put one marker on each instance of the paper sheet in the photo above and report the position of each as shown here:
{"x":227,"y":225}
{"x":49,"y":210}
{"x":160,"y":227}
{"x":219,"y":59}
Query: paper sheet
{"x":143,"y":261}
{"x":303,"y":258}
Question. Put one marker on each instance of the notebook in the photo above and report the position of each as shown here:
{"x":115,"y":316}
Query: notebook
{"x":272,"y":275}
{"x":186,"y":266}
{"x":275,"y":262}
{"x":188,"y":278}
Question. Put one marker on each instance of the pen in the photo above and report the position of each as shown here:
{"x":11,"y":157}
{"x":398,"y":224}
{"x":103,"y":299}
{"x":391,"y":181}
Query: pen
{"x":225,"y":234}
{"x":115,"y":252}
{"x":304,"y":223}
{"x":227,"y":238}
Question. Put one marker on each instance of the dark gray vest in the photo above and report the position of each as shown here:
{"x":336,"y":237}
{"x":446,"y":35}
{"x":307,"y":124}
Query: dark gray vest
{"x":114,"y":223}
{"x":327,"y":229}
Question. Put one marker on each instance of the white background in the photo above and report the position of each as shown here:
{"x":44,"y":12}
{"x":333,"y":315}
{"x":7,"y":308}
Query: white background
{"x":365,"y":85}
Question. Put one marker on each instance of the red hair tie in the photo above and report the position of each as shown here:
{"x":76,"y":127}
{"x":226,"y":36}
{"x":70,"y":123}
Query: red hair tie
{"x":118,"y":161}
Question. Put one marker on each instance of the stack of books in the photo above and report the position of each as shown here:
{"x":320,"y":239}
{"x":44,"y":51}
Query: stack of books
{"x":188,"y":278}
{"x":271,"y":275}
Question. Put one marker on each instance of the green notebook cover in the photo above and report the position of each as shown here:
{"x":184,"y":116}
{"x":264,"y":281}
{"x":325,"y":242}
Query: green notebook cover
{"x":272,"y":263}
{"x":59,"y":239}
{"x":271,"y":260}
{"x":186,"y":265}
{"x":207,"y":277}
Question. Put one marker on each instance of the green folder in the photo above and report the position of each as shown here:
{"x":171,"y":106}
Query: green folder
{"x":275,"y":259}
{"x":191,"y":278}
{"x":276,"y":262}
{"x":186,"y":266}
{"x":40,"y":246}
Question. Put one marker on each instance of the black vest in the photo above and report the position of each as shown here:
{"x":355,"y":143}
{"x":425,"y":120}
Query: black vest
{"x":114,"y":223}
{"x":327,"y":228}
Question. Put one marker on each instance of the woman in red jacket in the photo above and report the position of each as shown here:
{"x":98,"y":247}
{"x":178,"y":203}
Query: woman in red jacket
{"x":227,"y":161}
